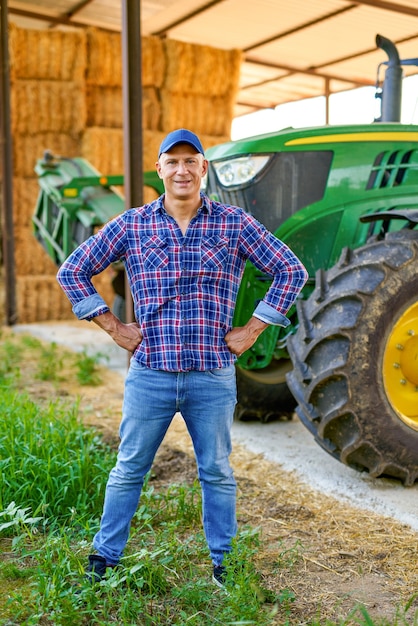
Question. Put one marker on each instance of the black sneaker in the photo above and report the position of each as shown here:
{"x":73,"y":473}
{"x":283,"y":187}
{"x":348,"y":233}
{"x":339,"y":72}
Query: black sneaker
{"x":219,"y":575}
{"x":96,"y":569}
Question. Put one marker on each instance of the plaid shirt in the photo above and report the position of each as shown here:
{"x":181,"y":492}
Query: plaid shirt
{"x":184,"y":287}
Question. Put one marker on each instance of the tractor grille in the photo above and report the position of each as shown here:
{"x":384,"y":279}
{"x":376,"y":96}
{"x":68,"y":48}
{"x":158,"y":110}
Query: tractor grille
{"x":290,"y":181}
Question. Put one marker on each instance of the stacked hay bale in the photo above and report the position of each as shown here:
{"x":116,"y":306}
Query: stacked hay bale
{"x":102,"y":142}
{"x":199,"y":90}
{"x":67,"y":97}
{"x":183,"y":85}
{"x":48,"y":111}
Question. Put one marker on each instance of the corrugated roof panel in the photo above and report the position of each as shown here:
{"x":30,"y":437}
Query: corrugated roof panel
{"x":339,"y":37}
{"x":329,"y":38}
{"x":230,"y":24}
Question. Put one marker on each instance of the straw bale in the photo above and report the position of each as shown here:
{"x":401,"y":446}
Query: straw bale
{"x":151,"y":108}
{"x":40,"y":106}
{"x":103,"y":147}
{"x":105,"y":107}
{"x":30,"y":257}
{"x":104,"y":58}
{"x":149,"y":195}
{"x":151,"y":145}
{"x":39,"y":299}
{"x":203,"y":115}
{"x":27,"y":149}
{"x":210,"y":140}
{"x":25,"y":194}
{"x":195,"y":69}
{"x":48,"y":55}
{"x":153,"y":62}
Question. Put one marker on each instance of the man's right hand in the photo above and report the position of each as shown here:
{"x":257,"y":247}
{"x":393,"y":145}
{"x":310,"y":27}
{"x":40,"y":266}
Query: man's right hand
{"x":127,"y":336}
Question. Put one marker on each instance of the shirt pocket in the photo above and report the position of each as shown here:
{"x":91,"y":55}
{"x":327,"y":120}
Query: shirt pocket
{"x":214,"y":253}
{"x":154,"y":253}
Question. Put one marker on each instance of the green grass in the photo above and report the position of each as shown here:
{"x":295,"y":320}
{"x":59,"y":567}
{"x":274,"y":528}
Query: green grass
{"x":87,"y":369}
{"x":52,"y":478}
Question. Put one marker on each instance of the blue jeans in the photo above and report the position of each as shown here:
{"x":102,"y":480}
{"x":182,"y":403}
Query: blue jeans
{"x":206,"y":401}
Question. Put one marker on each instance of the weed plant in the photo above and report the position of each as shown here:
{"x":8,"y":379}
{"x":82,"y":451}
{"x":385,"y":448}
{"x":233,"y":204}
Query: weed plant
{"x":87,"y":369}
{"x":52,"y":477}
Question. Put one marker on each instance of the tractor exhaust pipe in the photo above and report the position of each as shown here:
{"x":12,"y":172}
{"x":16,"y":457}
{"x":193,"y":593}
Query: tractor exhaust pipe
{"x":392,"y":86}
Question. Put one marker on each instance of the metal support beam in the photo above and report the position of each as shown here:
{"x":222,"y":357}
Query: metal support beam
{"x":132,"y":113}
{"x":7,"y":173}
{"x":327,"y":101}
{"x":132,"y":101}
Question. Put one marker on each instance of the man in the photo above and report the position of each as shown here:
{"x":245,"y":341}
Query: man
{"x":184,"y":257}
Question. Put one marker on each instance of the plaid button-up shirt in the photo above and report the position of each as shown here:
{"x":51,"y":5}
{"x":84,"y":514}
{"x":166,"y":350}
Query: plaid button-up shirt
{"x":184,"y":287}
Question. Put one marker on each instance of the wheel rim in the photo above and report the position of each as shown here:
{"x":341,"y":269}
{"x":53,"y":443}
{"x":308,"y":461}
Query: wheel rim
{"x":400,"y":367}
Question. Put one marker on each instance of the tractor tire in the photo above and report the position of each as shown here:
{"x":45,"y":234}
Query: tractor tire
{"x":263,"y":394}
{"x":355,"y":358}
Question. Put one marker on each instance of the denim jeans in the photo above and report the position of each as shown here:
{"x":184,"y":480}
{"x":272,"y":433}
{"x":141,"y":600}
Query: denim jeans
{"x":206,"y":401}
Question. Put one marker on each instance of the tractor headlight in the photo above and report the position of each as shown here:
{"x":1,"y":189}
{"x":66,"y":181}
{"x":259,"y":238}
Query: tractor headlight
{"x":240,"y":170}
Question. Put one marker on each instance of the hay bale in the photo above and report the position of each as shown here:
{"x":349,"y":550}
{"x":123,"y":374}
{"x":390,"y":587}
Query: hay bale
{"x":47,"y":55}
{"x":39,"y":299}
{"x":154,"y":62}
{"x":149,"y":195}
{"x":104,"y":58}
{"x":25,"y":194}
{"x":41,"y":106}
{"x":203,"y":115}
{"x":30,"y":257}
{"x":103,"y":148}
{"x":105,"y":107}
{"x":195,"y":69}
{"x":212,"y":140}
{"x":151,"y":108}
{"x":151,"y":145}
{"x":27,"y":149}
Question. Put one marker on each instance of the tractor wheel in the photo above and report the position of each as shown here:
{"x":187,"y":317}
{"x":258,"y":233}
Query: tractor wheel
{"x":355,"y":358}
{"x":263,"y":394}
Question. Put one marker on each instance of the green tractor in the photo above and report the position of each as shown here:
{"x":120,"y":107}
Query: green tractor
{"x":344,"y":198}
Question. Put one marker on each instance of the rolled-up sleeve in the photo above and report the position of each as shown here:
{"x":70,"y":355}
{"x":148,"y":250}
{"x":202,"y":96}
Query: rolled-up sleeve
{"x":273,"y":257}
{"x":89,"y":259}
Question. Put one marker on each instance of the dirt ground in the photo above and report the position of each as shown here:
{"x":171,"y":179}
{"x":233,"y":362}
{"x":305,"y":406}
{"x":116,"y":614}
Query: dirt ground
{"x":329,"y":555}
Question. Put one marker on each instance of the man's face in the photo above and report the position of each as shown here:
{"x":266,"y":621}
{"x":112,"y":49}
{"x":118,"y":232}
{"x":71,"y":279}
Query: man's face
{"x":182,"y":170}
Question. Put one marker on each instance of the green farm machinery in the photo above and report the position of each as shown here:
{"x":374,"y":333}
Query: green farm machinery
{"x":344,"y":198}
{"x":74,"y":200}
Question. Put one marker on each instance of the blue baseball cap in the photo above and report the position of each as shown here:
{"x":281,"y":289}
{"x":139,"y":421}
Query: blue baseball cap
{"x":182,"y":135}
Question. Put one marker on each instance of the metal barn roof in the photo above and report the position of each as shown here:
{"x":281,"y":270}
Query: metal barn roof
{"x":292,"y":49}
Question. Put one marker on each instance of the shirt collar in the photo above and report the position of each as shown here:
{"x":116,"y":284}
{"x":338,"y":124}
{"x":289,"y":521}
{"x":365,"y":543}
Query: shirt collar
{"x":206,"y":206}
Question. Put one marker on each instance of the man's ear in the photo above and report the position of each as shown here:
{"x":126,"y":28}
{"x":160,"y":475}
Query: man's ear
{"x":158,"y":168}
